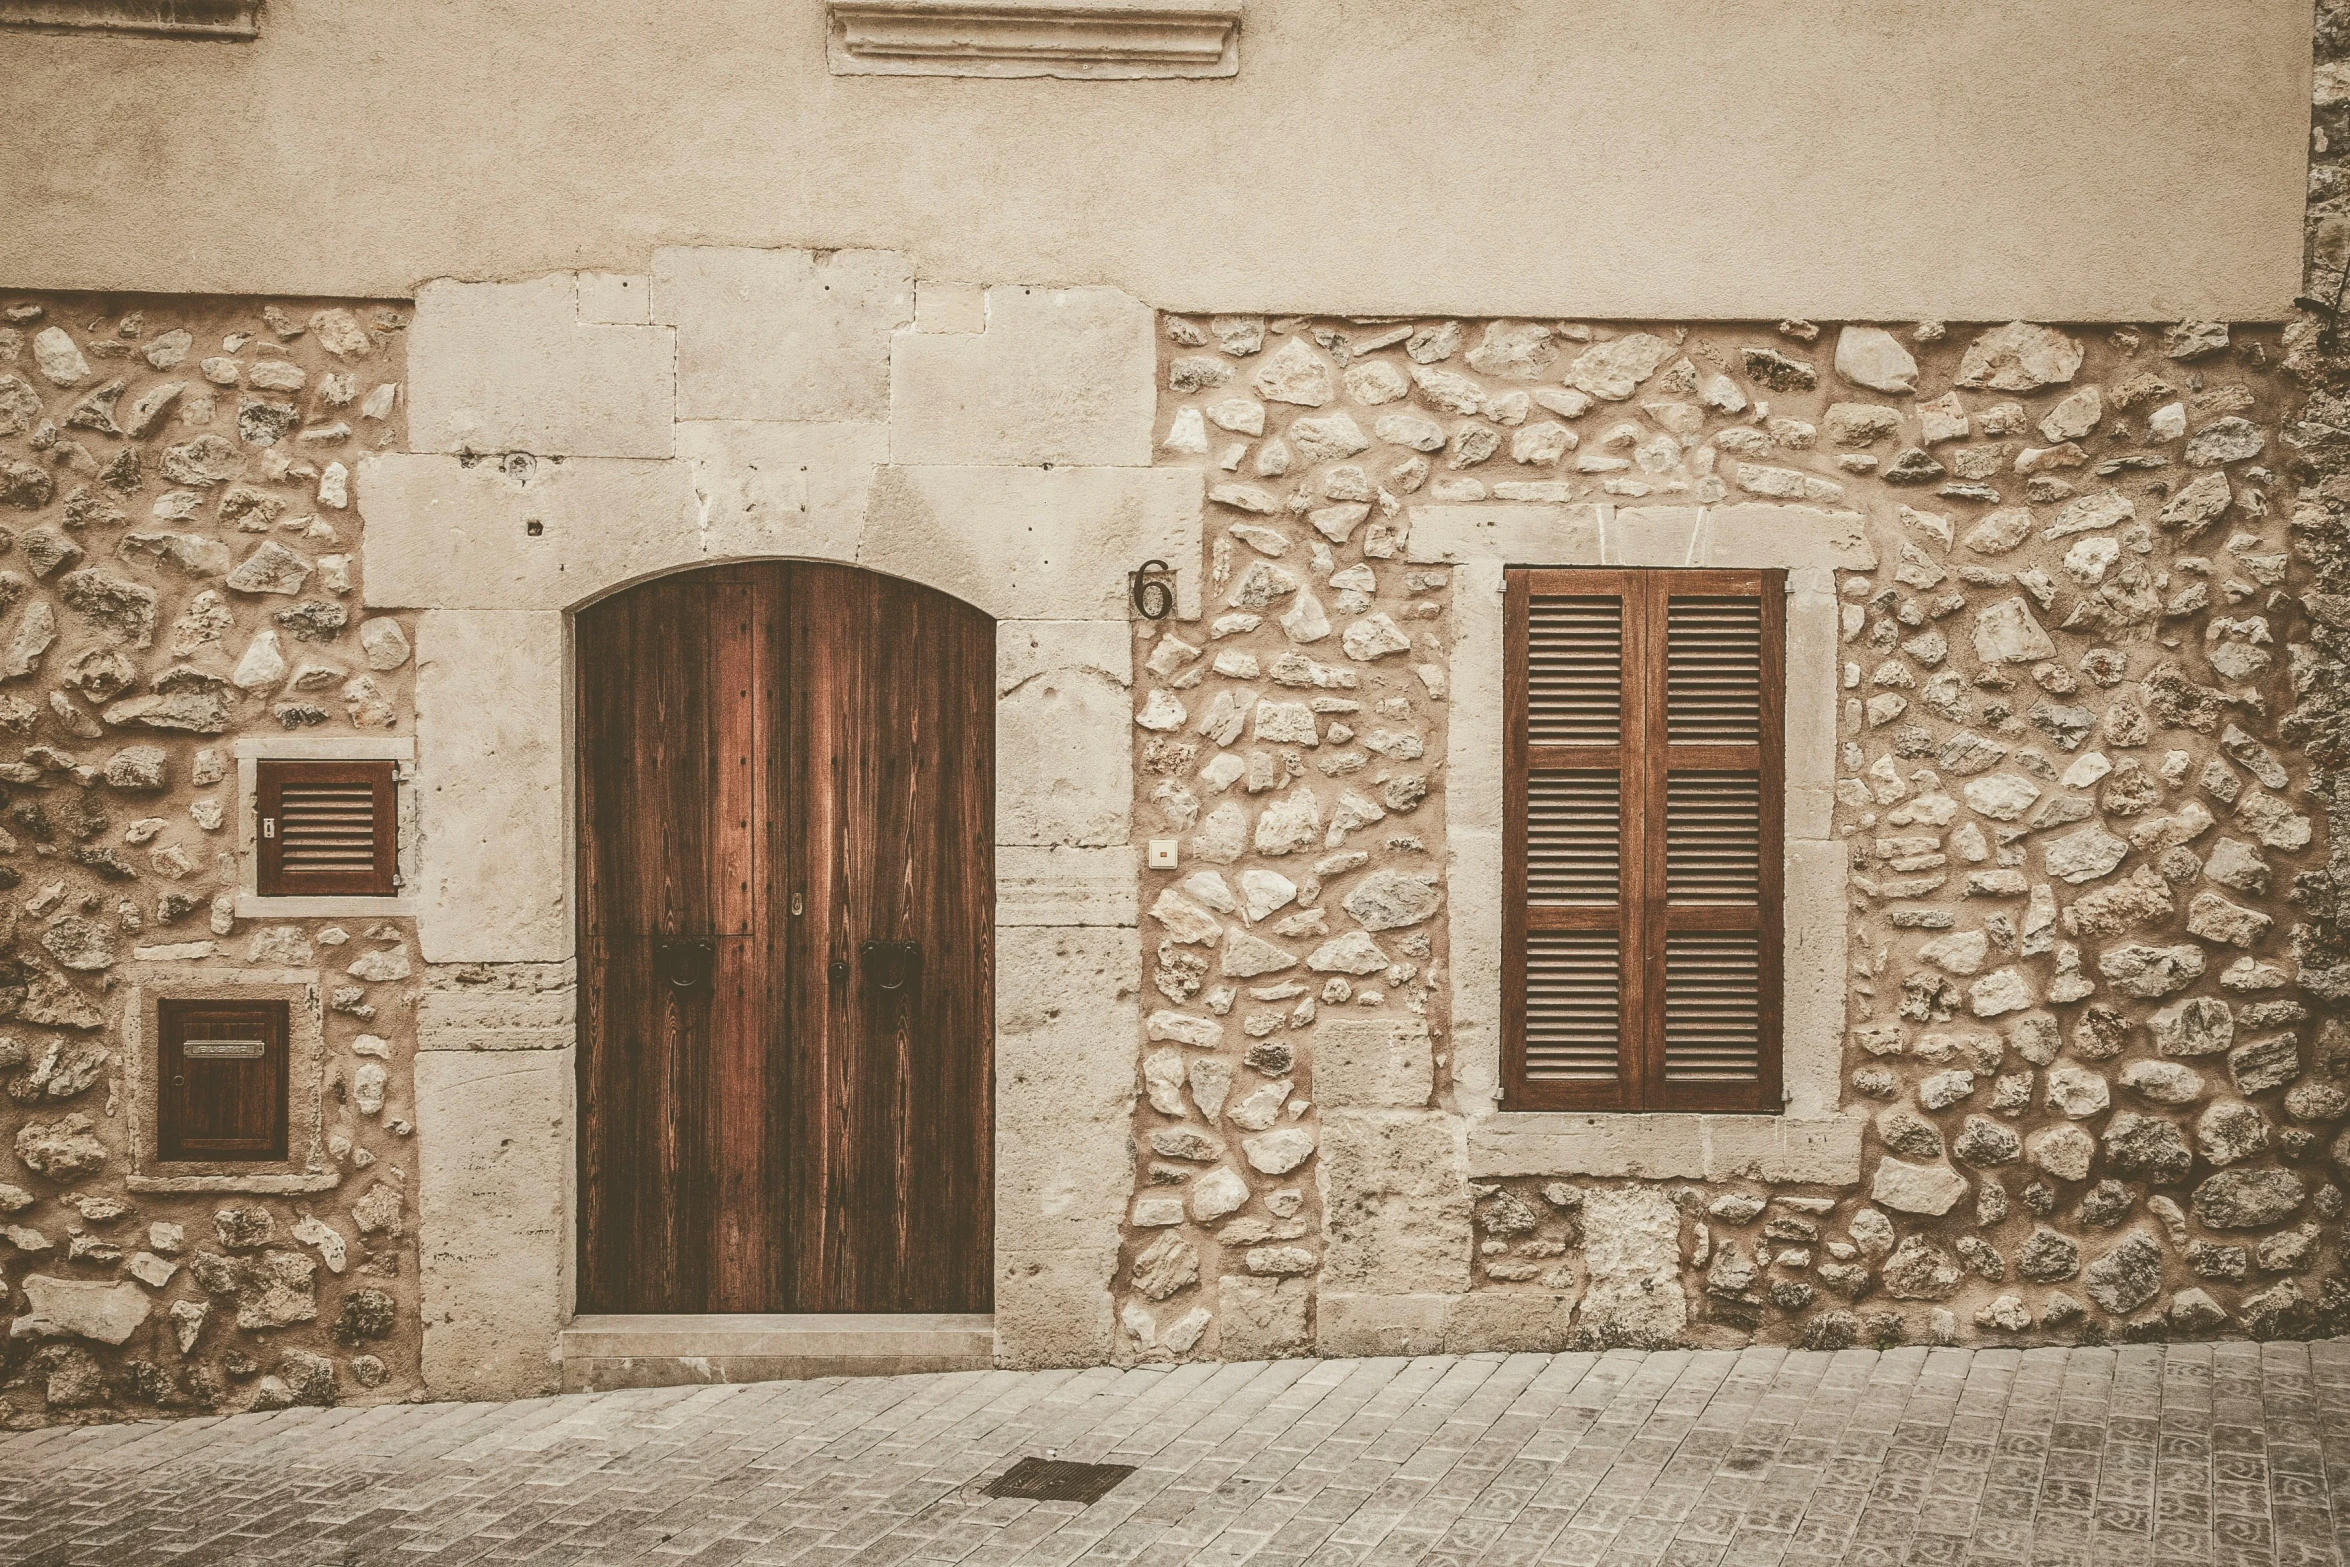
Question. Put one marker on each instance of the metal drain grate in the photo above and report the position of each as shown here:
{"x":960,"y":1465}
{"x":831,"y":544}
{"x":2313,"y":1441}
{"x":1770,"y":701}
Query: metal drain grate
{"x":1056,"y":1480}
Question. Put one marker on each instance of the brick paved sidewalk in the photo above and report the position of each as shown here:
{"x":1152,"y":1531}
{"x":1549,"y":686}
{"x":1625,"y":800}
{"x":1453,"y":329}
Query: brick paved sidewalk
{"x":2211,"y":1455}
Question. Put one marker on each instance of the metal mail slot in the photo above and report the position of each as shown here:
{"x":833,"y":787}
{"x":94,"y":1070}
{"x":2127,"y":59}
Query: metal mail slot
{"x":223,"y":1049}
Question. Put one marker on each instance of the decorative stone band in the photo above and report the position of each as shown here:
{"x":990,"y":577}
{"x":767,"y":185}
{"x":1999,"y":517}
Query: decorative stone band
{"x":1101,"y":42}
{"x":177,"y":18}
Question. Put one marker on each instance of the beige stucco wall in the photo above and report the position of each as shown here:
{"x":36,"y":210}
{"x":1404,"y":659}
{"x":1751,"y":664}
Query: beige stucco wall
{"x":1625,"y":158}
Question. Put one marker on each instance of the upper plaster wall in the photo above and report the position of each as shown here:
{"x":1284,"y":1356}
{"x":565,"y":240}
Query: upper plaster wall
{"x":1832,"y":159}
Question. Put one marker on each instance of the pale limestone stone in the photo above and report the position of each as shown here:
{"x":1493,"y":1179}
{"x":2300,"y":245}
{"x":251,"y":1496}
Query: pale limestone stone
{"x":2085,"y":855}
{"x":1185,"y":1029}
{"x":2104,"y":509}
{"x":2019,"y":357}
{"x":1162,"y":1080}
{"x":1376,"y":1062}
{"x":1395,"y":1203}
{"x":1294,"y":373}
{"x":1062,"y":376}
{"x":441,"y":534}
{"x":2002,"y":991}
{"x":1218,"y":1193}
{"x":782,"y":334}
{"x":101,"y":1312}
{"x":2076,"y":1092}
{"x":1872,"y":357}
{"x":1632,"y":1251}
{"x":1031,"y":543}
{"x":1569,"y":535}
{"x":1392,"y":899}
{"x":1289,"y":823}
{"x":1060,"y":696}
{"x":1915,"y":1188}
{"x":2214,"y":918}
{"x":1064,"y":1108}
{"x":1185,"y":1331}
{"x":2003,"y":797}
{"x":1053,"y":1307}
{"x":2063,"y":1151}
{"x":1795,"y":538}
{"x":1259,"y":1110}
{"x":1263,"y":1319}
{"x":1353,"y":953}
{"x":2146,"y":972}
{"x":59,"y":358}
{"x":490,"y":1020}
{"x":1063,"y":884}
{"x":2007,"y":633}
{"x":1961,"y":952}
{"x":769,"y":488}
{"x":1614,"y":370}
{"x":489,"y":702}
{"x":1153,"y":1213}
{"x":501,"y":367}
{"x":1246,"y":956}
{"x":491,"y":1179}
{"x":1280,"y":1151}
{"x":2164,"y":1082}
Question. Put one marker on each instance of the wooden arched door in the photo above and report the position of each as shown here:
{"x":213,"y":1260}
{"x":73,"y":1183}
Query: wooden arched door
{"x":786,"y":877}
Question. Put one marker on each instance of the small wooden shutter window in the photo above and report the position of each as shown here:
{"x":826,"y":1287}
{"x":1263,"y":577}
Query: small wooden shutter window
{"x":326,"y":829}
{"x":1643,"y":839}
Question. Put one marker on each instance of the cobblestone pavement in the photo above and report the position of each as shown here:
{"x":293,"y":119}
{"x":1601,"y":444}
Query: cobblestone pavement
{"x":2205,"y":1454}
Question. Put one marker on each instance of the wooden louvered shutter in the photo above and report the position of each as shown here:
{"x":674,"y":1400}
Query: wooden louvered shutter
{"x":1642,"y":852}
{"x":326,"y":829}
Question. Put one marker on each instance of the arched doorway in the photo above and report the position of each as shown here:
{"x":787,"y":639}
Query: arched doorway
{"x":786,"y":786}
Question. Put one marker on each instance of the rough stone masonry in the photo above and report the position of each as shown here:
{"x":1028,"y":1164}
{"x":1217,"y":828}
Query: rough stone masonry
{"x":2089,"y":958}
{"x":178,"y":562}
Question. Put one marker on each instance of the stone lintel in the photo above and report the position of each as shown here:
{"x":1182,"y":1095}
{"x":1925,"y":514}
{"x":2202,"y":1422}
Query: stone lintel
{"x":1095,"y":41}
{"x":226,"y":19}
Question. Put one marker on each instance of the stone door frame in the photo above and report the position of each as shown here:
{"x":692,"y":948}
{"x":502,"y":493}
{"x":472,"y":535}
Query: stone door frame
{"x":996,"y":448}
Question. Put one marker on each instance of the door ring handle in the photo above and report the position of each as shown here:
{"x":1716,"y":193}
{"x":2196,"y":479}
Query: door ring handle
{"x":894,"y":964}
{"x":684,"y":962}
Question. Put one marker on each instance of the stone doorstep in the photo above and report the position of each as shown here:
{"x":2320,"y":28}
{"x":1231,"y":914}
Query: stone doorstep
{"x":686,"y":1350}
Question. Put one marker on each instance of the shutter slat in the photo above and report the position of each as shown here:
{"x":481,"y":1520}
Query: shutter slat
{"x":324,"y":827}
{"x":1575,"y":670}
{"x":1713,"y":1006}
{"x":1713,"y":837}
{"x":1574,"y":835}
{"x":1574,"y":985}
{"x":1713,"y":670}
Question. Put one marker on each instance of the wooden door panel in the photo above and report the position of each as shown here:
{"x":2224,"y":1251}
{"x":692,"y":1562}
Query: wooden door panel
{"x":667,"y":709}
{"x":779,"y":765}
{"x":893,"y":744}
{"x":677,"y":1211}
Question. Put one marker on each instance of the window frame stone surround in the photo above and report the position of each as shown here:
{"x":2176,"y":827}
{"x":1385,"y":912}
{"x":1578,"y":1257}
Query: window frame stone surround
{"x":576,"y":434}
{"x":250,"y":752}
{"x":1809,"y":1140}
{"x":306,"y":1166}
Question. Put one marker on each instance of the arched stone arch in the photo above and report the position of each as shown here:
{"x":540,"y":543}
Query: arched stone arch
{"x":1010,"y":472}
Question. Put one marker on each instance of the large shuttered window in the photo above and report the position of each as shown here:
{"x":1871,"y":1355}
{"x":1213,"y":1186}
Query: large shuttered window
{"x":1642,"y":922}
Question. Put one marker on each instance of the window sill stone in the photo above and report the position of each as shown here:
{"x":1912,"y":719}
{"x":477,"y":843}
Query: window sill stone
{"x":1821,"y":1150}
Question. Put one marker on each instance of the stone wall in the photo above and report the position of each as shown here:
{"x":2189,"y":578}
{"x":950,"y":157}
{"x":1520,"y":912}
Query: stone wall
{"x":2066,"y":627}
{"x":178,"y":570}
